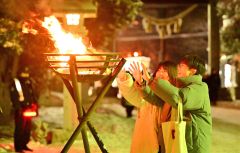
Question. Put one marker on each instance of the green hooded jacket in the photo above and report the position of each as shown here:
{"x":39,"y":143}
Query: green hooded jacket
{"x":196,"y":106}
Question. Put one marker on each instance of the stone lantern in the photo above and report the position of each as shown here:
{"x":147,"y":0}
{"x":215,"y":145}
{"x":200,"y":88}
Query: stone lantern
{"x":72,"y":14}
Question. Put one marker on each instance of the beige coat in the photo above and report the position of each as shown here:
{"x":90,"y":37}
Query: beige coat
{"x":147,"y":131}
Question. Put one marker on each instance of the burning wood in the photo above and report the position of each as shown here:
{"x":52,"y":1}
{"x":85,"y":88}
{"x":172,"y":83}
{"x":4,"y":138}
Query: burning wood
{"x":87,"y":69}
{"x":68,"y":44}
{"x":72,"y":50}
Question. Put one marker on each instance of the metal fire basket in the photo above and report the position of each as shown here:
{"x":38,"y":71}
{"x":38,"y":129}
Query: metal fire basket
{"x":85,"y":68}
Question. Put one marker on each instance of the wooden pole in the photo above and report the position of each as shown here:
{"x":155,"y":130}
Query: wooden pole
{"x":213,"y":37}
{"x":97,"y":101}
{"x":78,"y":100}
{"x":90,"y":126}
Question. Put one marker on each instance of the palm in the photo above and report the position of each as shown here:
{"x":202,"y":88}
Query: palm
{"x":146,"y":75}
{"x":136,"y":71}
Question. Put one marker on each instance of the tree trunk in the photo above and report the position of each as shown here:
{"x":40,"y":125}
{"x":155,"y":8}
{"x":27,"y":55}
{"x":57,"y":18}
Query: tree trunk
{"x":6,"y":73}
{"x":213,"y":37}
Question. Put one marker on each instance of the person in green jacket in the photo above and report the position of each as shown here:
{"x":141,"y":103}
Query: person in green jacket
{"x":193,"y":93}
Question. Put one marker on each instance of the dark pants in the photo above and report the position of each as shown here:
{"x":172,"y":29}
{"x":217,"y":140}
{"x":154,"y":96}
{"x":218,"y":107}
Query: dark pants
{"x":159,"y":151}
{"x":22,"y":130}
{"x":128,"y":107}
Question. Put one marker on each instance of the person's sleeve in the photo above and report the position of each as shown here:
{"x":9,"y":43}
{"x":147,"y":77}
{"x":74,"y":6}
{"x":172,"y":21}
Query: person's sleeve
{"x":192,"y":96}
{"x":129,"y":92}
{"x":149,"y":96}
{"x":13,"y":92}
{"x":166,"y":91}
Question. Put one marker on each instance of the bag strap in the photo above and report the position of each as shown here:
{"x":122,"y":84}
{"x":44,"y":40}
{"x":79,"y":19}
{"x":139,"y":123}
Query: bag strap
{"x":177,"y":113}
{"x":173,"y":114}
{"x":180,"y":111}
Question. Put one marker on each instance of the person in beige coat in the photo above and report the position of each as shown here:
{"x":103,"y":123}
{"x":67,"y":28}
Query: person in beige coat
{"x":147,"y":134}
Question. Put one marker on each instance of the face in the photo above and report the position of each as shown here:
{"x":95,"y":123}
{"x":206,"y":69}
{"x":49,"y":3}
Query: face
{"x":162,"y":73}
{"x":183,"y":70}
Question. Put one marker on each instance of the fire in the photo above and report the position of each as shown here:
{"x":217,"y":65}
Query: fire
{"x":65,"y":42}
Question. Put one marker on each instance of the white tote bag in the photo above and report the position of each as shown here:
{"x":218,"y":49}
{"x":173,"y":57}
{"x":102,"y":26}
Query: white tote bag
{"x":174,"y":132}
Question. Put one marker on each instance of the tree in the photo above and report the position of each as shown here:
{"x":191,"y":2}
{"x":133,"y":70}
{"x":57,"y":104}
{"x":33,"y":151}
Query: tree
{"x":10,"y":36}
{"x":230,"y":31}
{"x":14,"y":43}
{"x":18,"y":49}
{"x":112,"y":15}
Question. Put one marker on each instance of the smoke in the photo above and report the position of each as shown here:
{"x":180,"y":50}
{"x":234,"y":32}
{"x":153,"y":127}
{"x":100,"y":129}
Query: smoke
{"x":22,"y":9}
{"x":43,"y":7}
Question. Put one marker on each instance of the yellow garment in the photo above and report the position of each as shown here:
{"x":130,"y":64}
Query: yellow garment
{"x":147,"y":134}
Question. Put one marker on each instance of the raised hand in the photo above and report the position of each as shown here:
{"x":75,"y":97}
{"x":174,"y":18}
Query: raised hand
{"x":136,"y":72}
{"x":146,"y":75}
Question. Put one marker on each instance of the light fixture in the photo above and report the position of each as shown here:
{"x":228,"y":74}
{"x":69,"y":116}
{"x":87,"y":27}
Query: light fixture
{"x":73,"y":19}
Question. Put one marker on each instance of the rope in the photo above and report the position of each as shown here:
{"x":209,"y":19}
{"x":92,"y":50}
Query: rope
{"x":169,"y":20}
{"x":166,"y":26}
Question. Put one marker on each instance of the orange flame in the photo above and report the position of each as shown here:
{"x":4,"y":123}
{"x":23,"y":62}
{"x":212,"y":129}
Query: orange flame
{"x":65,"y":42}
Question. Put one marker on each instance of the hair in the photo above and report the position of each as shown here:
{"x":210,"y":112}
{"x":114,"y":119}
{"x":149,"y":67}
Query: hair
{"x":171,"y":69}
{"x":195,"y":62}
